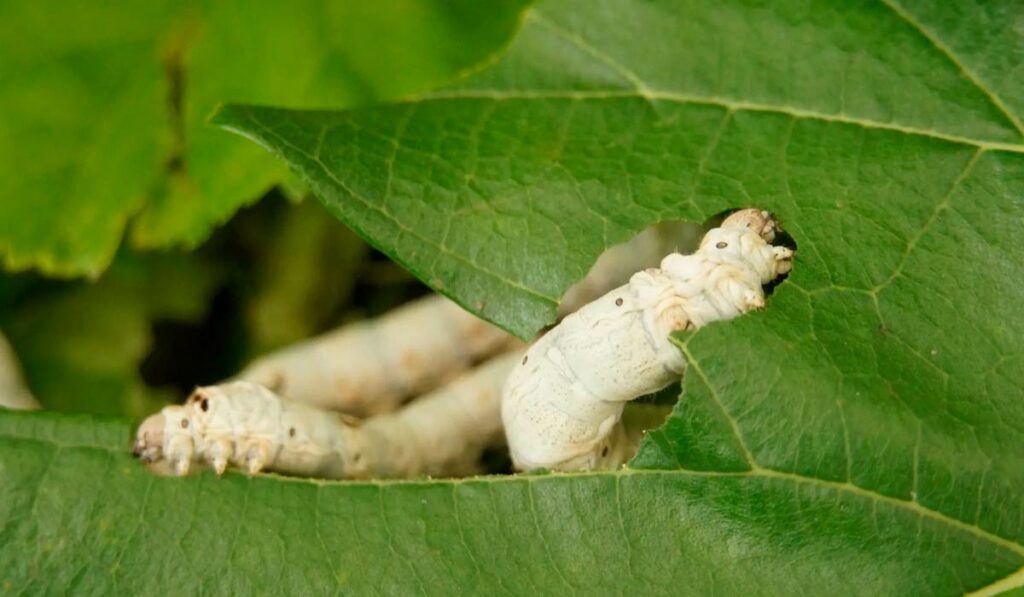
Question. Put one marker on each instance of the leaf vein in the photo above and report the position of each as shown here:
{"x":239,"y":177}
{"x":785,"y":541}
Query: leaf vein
{"x":903,"y":14}
{"x":398,"y":223}
{"x":735,"y":105}
{"x":1012,"y":581}
{"x":754,"y":473}
{"x":542,"y":539}
{"x":940,"y":207}
{"x":695,"y":365}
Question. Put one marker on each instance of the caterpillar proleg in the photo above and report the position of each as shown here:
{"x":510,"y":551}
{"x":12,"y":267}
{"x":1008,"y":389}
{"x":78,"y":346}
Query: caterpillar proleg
{"x":372,"y":367}
{"x":563,"y":402}
{"x":13,"y":391}
{"x":246,"y":425}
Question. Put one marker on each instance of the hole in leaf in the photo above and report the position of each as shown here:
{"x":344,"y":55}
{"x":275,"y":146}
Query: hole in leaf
{"x":618,"y":262}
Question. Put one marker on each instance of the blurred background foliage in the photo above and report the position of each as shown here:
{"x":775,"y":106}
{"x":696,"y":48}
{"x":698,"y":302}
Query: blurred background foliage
{"x":128,"y":277}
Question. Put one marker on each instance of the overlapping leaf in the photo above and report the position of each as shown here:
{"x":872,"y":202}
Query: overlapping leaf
{"x":862,"y":435}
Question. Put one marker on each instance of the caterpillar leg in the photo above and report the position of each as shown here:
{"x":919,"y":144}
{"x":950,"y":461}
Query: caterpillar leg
{"x":737,"y":296}
{"x":245,"y":425}
{"x":783,"y":260}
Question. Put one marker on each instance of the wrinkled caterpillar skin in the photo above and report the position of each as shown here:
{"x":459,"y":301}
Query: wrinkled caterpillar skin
{"x":562,"y":404}
{"x":245,"y":425}
{"x":372,"y":367}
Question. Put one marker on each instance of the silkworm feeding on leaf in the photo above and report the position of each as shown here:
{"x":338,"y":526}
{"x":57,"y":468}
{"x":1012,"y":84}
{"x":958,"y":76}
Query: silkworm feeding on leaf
{"x":372,"y":367}
{"x":563,"y":403}
{"x":244,"y":424}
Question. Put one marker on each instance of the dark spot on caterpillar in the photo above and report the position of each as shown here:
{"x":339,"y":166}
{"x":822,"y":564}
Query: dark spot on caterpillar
{"x":618,"y":302}
{"x":604,"y":451}
{"x":357,"y":457}
{"x":525,"y":358}
{"x":884,"y":329}
{"x":184,"y":423}
{"x":205,"y":405}
{"x":722,"y":245}
{"x":291,"y":432}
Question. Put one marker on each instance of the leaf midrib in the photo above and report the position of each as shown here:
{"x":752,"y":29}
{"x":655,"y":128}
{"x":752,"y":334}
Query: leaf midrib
{"x":642,"y":90}
{"x":654,"y":95}
{"x":755,"y":472}
{"x":952,"y":57}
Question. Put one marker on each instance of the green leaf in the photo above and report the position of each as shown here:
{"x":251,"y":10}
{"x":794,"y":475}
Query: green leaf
{"x":307,"y":54}
{"x":887,"y":137}
{"x":578,"y":139}
{"x":84,"y":130}
{"x":103,"y":106}
{"x":862,"y":435}
{"x":77,"y":511}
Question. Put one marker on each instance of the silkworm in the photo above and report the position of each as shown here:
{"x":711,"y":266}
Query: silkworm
{"x":246,"y":425}
{"x":13,"y":391}
{"x":372,"y":367}
{"x":562,"y":404}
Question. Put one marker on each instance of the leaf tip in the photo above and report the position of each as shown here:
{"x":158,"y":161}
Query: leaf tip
{"x":239,"y":119}
{"x":224,"y":115}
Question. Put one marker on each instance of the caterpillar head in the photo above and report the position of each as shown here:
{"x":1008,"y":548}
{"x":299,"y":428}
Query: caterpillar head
{"x":149,"y":440}
{"x":757,"y":220}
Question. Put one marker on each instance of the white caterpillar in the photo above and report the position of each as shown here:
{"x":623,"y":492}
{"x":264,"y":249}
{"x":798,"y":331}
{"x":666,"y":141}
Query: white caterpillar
{"x":562,"y":405}
{"x":246,"y":425}
{"x":372,"y":367}
{"x":13,"y":391}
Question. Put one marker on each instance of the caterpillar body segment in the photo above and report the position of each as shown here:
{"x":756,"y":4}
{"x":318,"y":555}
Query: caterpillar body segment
{"x":445,"y":432}
{"x":245,"y":425}
{"x":14,"y":393}
{"x":562,"y":404}
{"x":369,"y":368}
